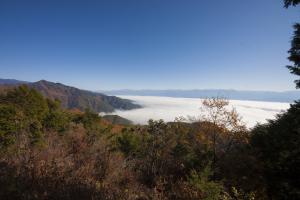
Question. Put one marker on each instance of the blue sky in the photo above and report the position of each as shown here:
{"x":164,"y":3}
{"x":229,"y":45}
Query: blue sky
{"x":148,"y":44}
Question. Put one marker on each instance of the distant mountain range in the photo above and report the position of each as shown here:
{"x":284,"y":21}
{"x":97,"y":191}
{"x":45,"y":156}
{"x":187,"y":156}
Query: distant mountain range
{"x":73,"y":98}
{"x":11,"y":82}
{"x":287,"y":96}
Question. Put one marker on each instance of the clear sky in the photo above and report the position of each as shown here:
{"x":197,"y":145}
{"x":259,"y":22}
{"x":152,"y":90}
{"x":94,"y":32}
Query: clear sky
{"x":148,"y":44}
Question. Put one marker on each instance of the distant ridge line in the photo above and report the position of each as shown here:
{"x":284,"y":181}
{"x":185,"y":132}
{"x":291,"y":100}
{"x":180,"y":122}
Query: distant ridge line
{"x":71,"y":97}
{"x":273,"y":96}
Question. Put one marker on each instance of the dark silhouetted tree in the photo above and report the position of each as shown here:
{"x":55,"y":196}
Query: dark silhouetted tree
{"x":277,"y":143}
{"x":288,"y":3}
{"x":295,"y":45}
{"x":295,"y":54}
{"x":277,"y":146}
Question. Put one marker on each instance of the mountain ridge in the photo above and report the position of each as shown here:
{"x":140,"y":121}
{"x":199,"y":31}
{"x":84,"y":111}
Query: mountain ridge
{"x":12,"y":82}
{"x":273,"y":96}
{"x":74,"y":98}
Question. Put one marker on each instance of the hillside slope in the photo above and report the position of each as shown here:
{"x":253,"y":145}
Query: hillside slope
{"x":72,"y":97}
{"x":116,"y":119}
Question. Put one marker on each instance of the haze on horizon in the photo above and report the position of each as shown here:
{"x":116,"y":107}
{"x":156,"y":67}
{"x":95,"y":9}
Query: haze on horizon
{"x":148,"y":44}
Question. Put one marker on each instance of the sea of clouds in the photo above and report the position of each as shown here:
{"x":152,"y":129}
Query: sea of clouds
{"x":168,"y":108}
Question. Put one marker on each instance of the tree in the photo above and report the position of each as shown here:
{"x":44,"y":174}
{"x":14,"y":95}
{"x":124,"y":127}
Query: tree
{"x":56,"y":119}
{"x":225,"y":125}
{"x":277,"y":144}
{"x":295,"y":54}
{"x":295,"y":45}
{"x":208,"y":189}
{"x":128,"y":142}
{"x":29,"y":101}
{"x":288,"y":3}
{"x":23,"y":110}
{"x":8,"y":125}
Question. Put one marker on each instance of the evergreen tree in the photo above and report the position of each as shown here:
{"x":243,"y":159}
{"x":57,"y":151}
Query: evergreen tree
{"x":277,"y":145}
{"x":295,"y":54}
{"x":295,"y":45}
{"x":288,"y":3}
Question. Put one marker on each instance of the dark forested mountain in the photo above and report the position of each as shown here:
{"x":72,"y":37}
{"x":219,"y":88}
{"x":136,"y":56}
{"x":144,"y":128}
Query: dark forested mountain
{"x":116,"y":119}
{"x":287,"y":96}
{"x":74,"y":98}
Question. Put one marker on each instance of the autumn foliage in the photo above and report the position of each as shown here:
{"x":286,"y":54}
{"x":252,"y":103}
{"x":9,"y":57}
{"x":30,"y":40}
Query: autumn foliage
{"x":47,"y":152}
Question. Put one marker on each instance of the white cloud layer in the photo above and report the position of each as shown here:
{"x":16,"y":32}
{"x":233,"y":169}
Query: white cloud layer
{"x":168,"y":108}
